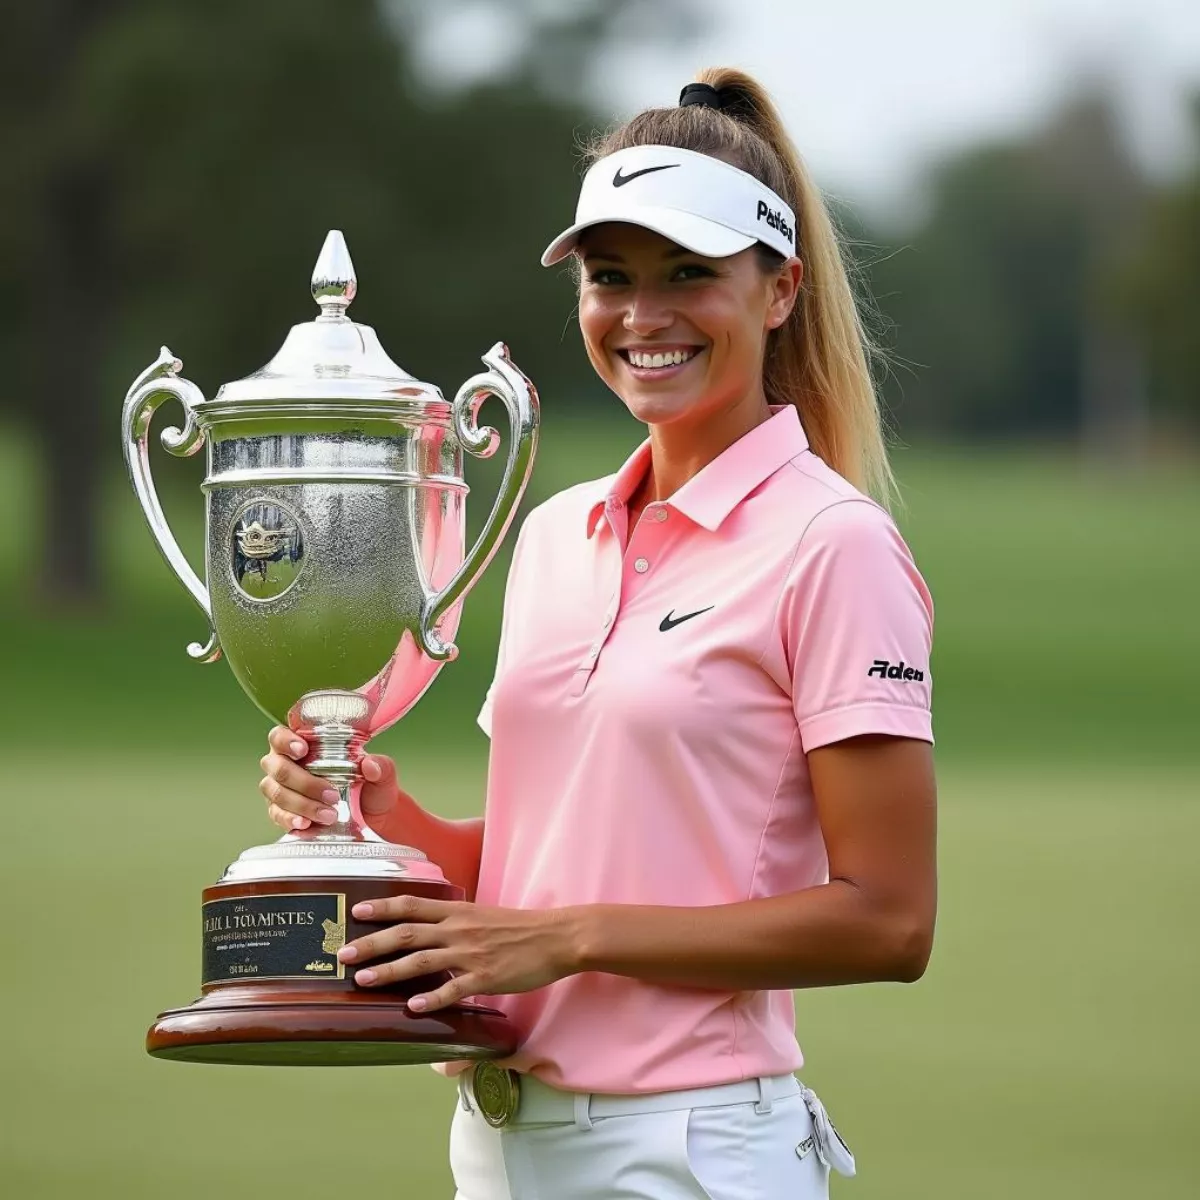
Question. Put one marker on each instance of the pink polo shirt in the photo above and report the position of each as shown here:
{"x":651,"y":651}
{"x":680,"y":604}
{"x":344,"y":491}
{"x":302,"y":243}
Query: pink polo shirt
{"x":656,"y":692}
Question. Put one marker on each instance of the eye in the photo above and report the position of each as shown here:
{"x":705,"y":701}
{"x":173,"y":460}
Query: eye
{"x":607,"y":277}
{"x":694,"y":271}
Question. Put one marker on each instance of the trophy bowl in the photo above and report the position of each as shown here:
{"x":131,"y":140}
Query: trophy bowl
{"x":336,"y":567}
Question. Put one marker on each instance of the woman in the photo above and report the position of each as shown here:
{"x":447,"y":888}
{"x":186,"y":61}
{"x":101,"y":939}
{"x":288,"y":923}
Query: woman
{"x":710,"y":778}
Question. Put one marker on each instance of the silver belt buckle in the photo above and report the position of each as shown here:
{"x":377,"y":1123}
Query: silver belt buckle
{"x":497,"y":1093}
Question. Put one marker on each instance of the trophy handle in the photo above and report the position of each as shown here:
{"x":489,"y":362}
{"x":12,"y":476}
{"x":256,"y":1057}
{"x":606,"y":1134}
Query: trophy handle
{"x":159,"y":382}
{"x":509,"y":384}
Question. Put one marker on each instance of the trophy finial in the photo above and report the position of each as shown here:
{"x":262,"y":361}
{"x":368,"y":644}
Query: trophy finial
{"x":334,"y":283}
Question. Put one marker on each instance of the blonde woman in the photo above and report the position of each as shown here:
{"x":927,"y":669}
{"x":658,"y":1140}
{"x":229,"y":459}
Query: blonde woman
{"x":711,"y":776}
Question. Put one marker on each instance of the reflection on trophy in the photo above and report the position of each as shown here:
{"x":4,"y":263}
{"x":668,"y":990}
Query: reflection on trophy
{"x":336,"y":569}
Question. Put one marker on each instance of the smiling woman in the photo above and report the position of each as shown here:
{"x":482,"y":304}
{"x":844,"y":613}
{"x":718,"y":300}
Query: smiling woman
{"x":710,"y":779}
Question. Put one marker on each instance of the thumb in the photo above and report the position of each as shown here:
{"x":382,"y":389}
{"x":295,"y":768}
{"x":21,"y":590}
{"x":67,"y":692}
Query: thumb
{"x":380,"y":791}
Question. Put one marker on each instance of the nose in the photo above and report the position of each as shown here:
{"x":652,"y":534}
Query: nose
{"x":647,"y":313}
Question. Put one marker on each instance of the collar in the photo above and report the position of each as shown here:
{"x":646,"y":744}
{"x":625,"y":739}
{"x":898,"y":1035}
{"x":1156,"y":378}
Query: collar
{"x":716,"y":490}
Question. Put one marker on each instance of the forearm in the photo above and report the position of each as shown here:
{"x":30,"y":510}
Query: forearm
{"x":455,"y":846}
{"x":832,"y":934}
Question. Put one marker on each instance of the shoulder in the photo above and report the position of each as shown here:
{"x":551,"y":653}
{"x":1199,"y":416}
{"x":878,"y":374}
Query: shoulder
{"x":839,"y":532}
{"x":819,"y":507}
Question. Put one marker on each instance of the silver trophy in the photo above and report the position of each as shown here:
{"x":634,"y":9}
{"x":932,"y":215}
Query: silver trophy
{"x":336,"y":567}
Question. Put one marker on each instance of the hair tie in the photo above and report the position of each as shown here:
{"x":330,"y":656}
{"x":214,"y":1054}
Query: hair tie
{"x":700,"y":93}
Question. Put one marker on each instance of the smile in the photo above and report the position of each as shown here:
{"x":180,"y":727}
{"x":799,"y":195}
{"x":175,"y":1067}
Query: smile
{"x":659,"y":360}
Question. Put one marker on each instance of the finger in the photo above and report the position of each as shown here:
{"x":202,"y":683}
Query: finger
{"x":297,"y":779}
{"x":411,"y":966}
{"x":379,"y":791}
{"x":459,"y":988}
{"x":404,"y":908}
{"x":287,"y":821}
{"x":283,"y":741}
{"x":293,"y":802}
{"x":393,"y":939}
{"x":378,"y":768}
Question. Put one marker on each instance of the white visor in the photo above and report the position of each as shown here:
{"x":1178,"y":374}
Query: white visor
{"x":698,"y":201}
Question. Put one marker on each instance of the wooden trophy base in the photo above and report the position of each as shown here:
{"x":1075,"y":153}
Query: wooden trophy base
{"x":274,"y":993}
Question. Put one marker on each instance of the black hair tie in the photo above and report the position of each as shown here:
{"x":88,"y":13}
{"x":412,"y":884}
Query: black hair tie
{"x":700,"y":93}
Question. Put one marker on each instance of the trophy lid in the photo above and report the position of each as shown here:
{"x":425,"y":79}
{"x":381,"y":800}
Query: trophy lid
{"x":328,"y":359}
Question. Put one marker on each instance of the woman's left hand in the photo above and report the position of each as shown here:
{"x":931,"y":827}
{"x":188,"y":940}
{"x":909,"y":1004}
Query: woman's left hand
{"x":491,"y":951}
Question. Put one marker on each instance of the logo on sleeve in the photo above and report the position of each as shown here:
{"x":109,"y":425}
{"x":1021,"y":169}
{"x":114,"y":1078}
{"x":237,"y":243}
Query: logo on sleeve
{"x":886,"y":670}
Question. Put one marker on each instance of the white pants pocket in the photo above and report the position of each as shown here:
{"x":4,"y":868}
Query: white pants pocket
{"x":737,"y":1153}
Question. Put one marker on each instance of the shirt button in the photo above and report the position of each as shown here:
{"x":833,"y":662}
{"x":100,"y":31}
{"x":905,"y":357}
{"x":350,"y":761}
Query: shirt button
{"x":660,"y":514}
{"x":641,"y":566}
{"x":608,"y":621}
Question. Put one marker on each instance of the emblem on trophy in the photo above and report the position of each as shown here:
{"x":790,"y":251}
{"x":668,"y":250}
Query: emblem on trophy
{"x":336,"y":568}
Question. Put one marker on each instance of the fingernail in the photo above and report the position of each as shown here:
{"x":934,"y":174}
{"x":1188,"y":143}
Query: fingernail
{"x":300,"y":822}
{"x":363,"y":910}
{"x":298,"y":747}
{"x":417,"y":1003}
{"x":326,"y":816}
{"x":370,"y":768}
{"x":329,"y":796}
{"x":365,"y":977}
{"x":347,"y":954}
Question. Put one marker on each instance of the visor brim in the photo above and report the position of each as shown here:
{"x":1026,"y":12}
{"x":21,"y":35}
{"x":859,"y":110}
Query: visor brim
{"x":697,"y":234}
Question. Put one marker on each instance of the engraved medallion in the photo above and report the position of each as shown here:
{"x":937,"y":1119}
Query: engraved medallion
{"x":266,"y":550}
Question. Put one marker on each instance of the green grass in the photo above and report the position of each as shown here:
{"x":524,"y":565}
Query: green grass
{"x":1044,"y":1054}
{"x":1049,"y":1052}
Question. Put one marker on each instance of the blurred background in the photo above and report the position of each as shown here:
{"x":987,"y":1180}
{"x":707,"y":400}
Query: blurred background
{"x":1020,"y":187}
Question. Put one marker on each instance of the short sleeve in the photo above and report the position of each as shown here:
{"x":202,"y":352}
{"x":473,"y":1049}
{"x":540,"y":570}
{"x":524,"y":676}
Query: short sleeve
{"x":484,"y":719}
{"x":856,"y":621}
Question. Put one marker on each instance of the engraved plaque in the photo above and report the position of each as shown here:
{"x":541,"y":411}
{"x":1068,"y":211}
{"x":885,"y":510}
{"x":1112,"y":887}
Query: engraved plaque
{"x":288,"y":935}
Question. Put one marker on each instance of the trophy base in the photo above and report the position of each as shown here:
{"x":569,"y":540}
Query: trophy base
{"x":320,"y":1034}
{"x":274,"y":993}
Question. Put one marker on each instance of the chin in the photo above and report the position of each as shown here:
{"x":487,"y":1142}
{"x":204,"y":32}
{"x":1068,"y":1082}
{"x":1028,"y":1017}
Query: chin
{"x":660,"y":410}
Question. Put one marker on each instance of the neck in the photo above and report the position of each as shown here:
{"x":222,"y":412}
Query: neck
{"x":682,"y":449}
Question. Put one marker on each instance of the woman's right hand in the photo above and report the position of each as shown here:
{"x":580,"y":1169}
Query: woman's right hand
{"x":297,"y":799}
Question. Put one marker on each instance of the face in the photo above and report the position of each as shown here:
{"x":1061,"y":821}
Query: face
{"x":679,"y":337}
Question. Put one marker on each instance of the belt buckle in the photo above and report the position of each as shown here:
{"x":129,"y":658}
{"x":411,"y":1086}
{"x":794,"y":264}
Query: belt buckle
{"x":497,"y":1093}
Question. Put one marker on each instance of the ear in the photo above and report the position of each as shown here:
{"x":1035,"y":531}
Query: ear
{"x":785,"y":291}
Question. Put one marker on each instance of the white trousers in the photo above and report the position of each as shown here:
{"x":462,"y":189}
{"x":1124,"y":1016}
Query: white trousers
{"x":765,"y":1149}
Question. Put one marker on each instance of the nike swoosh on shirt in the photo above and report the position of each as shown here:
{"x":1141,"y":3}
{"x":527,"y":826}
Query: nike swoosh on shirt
{"x":671,"y":620}
{"x":620,"y":180}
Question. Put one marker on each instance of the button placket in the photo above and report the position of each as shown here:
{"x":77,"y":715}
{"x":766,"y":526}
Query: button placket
{"x":583,"y":672}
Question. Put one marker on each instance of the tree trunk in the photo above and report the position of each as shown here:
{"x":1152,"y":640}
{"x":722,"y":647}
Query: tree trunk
{"x":76,"y":438}
{"x":73,"y":291}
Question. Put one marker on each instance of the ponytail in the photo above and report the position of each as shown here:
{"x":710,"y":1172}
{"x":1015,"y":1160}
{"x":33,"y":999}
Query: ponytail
{"x":818,"y":359}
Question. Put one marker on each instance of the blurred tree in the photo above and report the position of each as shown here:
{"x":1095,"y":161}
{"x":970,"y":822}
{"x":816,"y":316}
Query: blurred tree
{"x":998,"y":303}
{"x":985,"y":300}
{"x":171,"y":169}
{"x":1161,"y":289}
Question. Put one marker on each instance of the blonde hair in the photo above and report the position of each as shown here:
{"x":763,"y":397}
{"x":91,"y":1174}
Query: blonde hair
{"x":818,"y":359}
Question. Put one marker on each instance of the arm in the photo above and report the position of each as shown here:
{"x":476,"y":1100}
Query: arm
{"x":872,"y":921}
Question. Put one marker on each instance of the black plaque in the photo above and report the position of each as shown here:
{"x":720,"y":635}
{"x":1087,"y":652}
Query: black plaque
{"x":286,"y":935}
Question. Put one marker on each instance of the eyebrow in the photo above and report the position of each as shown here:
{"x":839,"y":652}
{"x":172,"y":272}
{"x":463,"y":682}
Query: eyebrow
{"x":606,"y":256}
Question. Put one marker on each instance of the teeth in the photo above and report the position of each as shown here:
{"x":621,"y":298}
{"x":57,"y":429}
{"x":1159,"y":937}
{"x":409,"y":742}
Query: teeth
{"x":672,"y":359}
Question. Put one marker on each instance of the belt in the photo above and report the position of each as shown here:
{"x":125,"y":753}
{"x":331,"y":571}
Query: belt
{"x":505,"y":1098}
